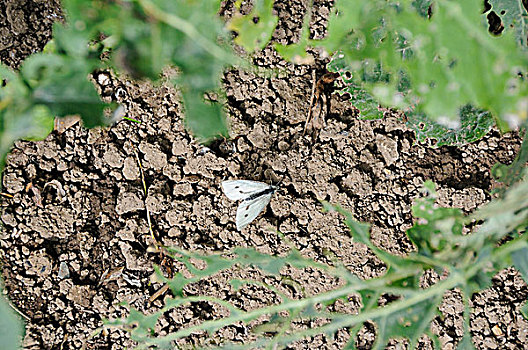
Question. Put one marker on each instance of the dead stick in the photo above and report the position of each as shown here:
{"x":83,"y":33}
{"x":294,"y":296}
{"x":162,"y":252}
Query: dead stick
{"x":158,"y":293}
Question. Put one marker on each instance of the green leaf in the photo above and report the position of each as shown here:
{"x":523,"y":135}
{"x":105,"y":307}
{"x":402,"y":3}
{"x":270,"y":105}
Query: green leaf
{"x":11,"y":327}
{"x":474,"y":125}
{"x":237,"y":284}
{"x":524,"y":310}
{"x":439,"y":228}
{"x":178,"y":282}
{"x":61,"y":83}
{"x":73,"y":42}
{"x":32,"y":124}
{"x":20,"y":118}
{"x":255,"y":29}
{"x":144,"y":324}
{"x":364,"y":78}
{"x":274,"y":325}
{"x":520,"y":262}
{"x":513,"y":16}
{"x":367,"y":105}
{"x":205,"y":121}
{"x":410,"y":323}
{"x":142,"y":37}
{"x":482,"y":278}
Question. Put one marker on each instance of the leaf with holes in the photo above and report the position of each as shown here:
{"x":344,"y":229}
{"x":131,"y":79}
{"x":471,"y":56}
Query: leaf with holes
{"x":513,"y":16}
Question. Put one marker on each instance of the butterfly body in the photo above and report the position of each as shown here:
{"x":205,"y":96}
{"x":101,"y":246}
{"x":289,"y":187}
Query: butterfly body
{"x":255,"y":197}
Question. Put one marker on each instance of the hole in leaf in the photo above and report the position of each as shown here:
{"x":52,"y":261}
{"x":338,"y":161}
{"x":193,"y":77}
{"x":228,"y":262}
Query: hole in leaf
{"x":495,"y":24}
{"x":487,"y":6}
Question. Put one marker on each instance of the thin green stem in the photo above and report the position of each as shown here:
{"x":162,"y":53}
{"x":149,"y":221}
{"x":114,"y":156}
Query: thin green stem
{"x":303,"y":303}
{"x":455,"y":279}
{"x":435,"y":291}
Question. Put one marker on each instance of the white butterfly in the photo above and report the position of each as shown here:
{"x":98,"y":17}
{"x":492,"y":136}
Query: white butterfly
{"x":255,"y":196}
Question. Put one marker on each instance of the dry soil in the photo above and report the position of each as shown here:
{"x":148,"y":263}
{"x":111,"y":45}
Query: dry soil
{"x":75,"y":244}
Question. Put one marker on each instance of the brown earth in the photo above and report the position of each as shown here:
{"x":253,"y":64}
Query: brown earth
{"x":91,"y":221}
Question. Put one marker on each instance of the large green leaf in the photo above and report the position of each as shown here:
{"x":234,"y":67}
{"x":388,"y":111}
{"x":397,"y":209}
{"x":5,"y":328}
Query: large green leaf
{"x":20,"y":118}
{"x":205,"y":121}
{"x":142,"y":37}
{"x":48,"y":85}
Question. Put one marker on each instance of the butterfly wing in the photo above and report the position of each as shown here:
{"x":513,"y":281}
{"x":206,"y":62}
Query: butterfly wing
{"x":241,"y":189}
{"x":248,"y":210}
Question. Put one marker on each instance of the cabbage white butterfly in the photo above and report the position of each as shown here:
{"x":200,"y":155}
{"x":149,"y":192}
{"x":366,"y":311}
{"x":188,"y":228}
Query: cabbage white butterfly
{"x":254,"y":195}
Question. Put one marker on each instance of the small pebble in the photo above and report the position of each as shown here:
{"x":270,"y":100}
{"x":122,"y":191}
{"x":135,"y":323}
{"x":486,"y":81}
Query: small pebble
{"x":64,"y":271}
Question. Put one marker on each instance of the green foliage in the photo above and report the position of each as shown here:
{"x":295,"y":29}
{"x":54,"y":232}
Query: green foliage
{"x":255,"y":29}
{"x":25,"y":107}
{"x":520,"y":261}
{"x":436,"y":55}
{"x":47,"y":75}
{"x":435,"y":67}
{"x":439,"y":66}
{"x":440,"y":225}
{"x":474,"y":124}
{"x":513,"y":16}
{"x":145,"y":36}
{"x":400,"y":54}
{"x":470,"y":261}
{"x":139,"y":38}
{"x":360,"y":98}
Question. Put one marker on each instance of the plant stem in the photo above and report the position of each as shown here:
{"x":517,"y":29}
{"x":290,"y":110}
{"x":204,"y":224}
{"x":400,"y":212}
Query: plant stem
{"x":455,"y":279}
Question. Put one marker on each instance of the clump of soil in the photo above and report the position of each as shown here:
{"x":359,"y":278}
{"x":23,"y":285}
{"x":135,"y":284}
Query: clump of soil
{"x":76,"y":234}
{"x":25,"y":27}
